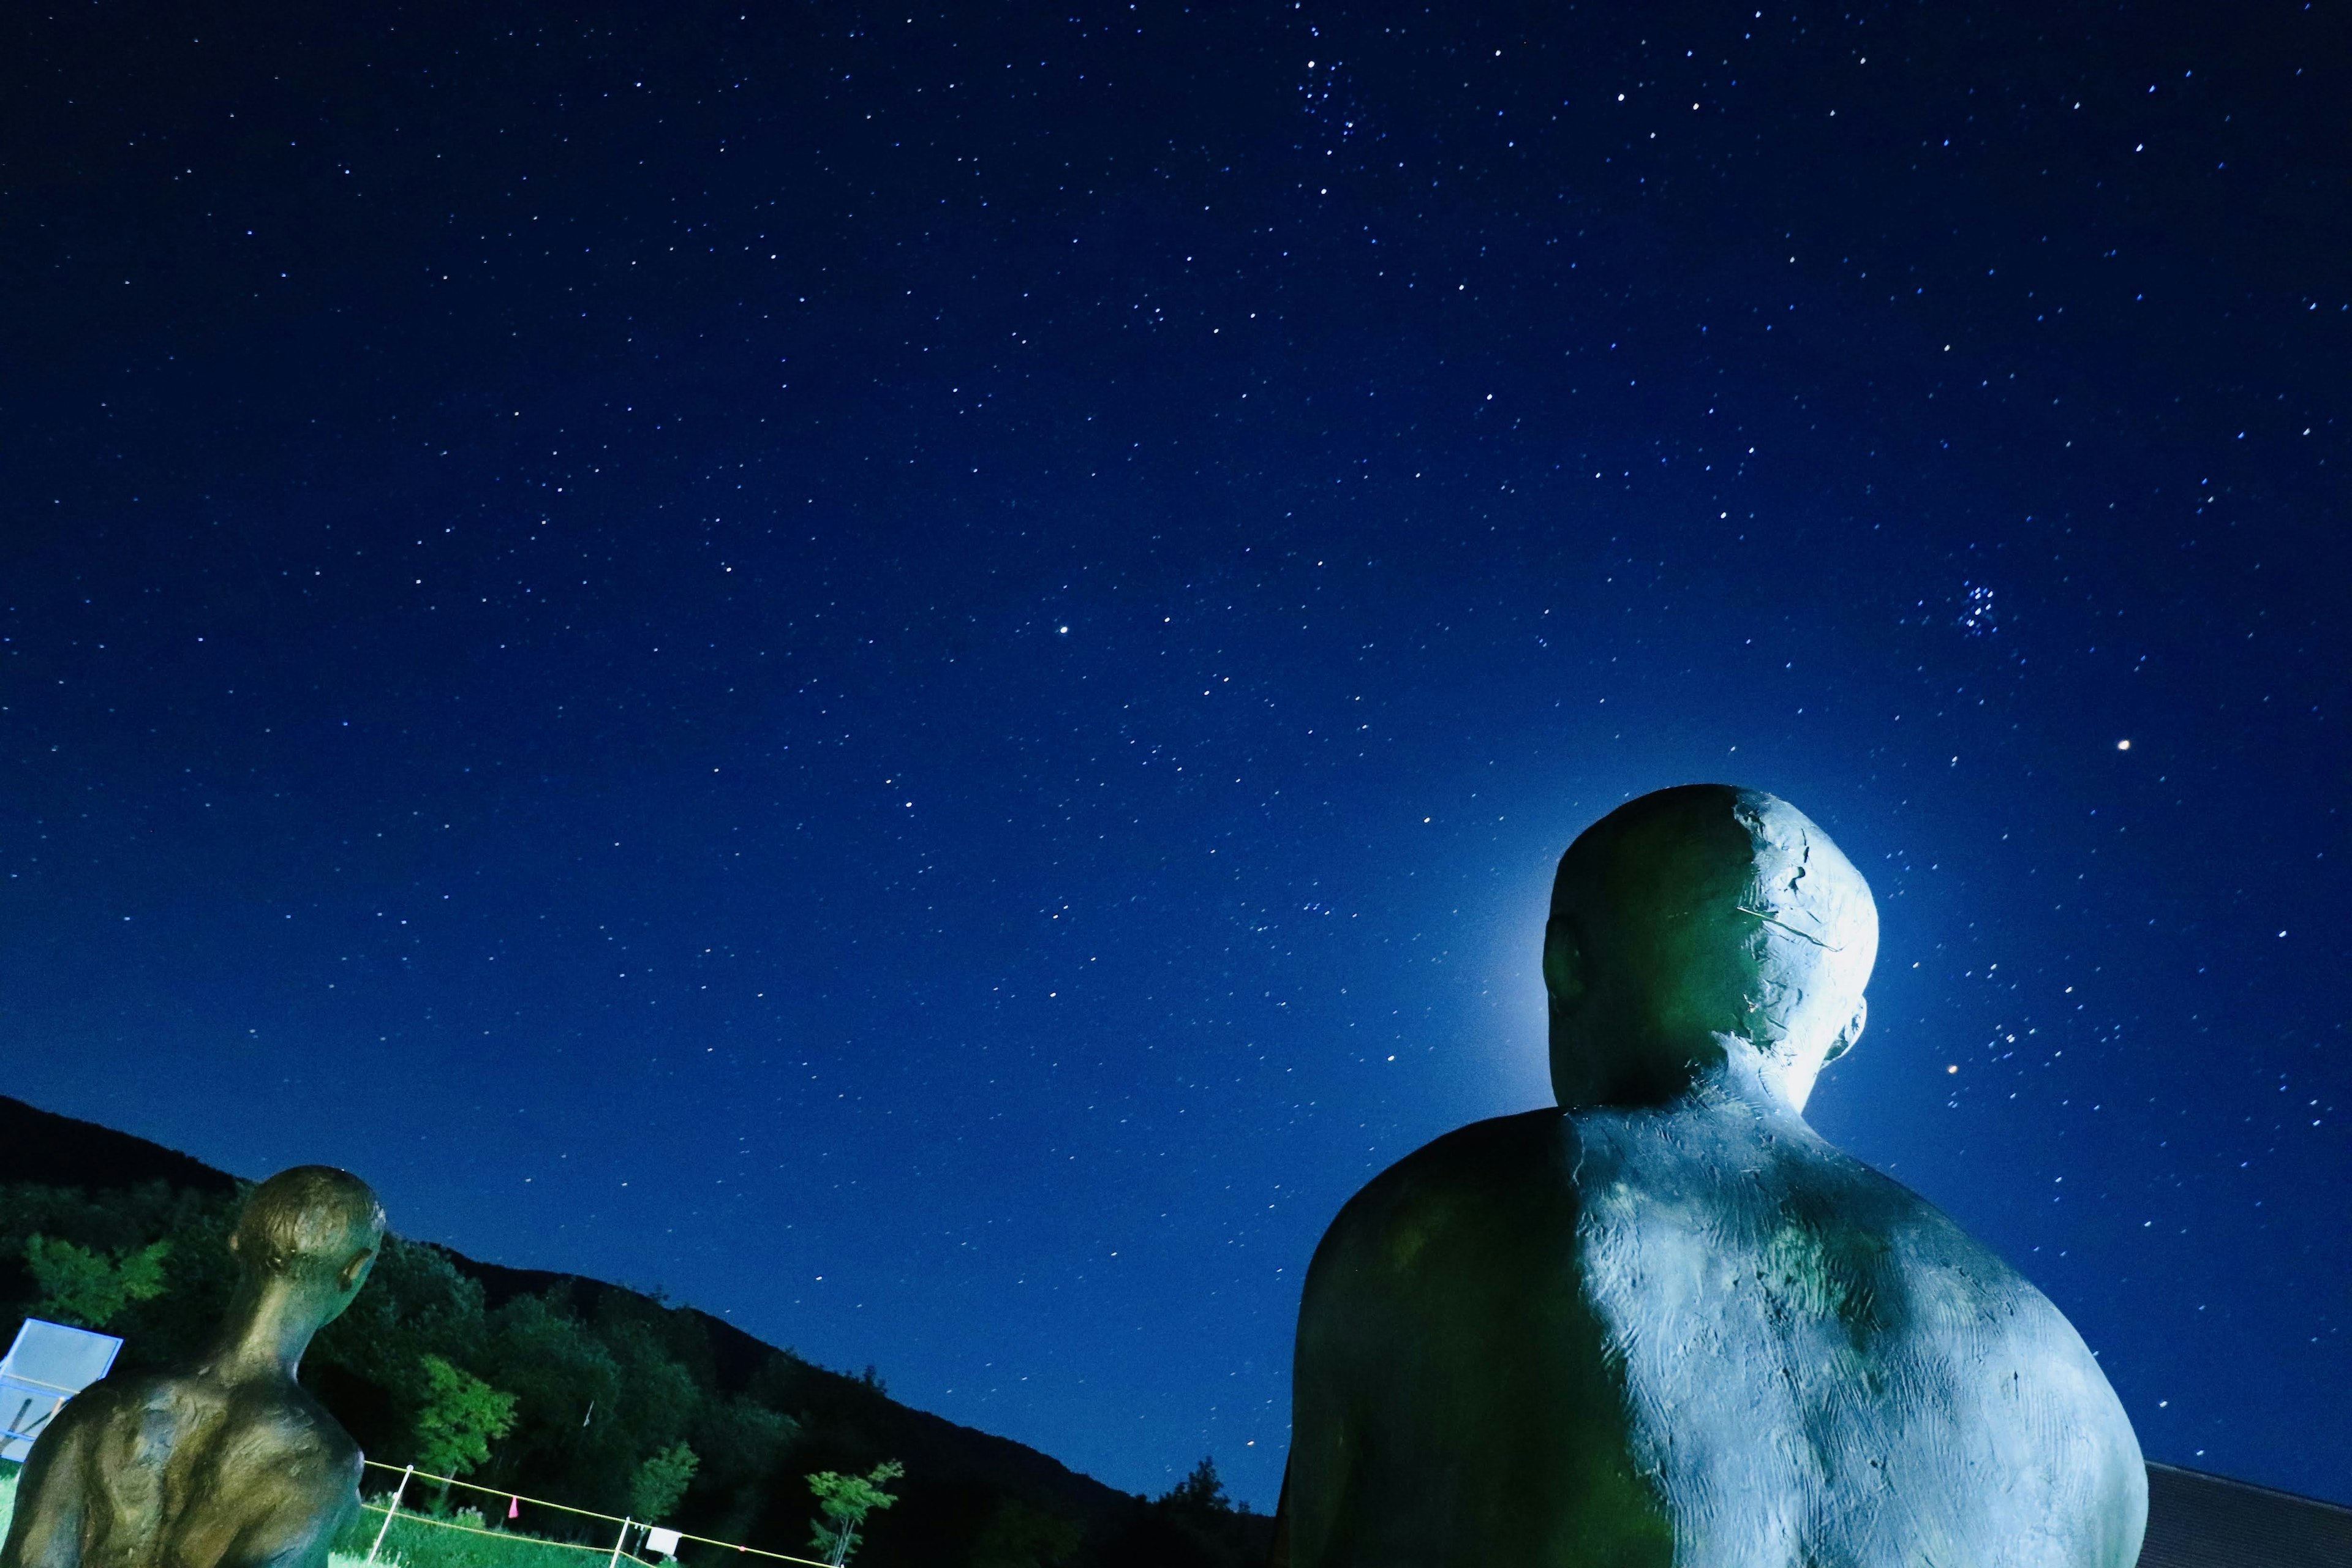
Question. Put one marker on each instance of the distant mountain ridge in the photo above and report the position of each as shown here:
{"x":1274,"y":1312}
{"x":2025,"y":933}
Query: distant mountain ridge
{"x":37,"y":1145}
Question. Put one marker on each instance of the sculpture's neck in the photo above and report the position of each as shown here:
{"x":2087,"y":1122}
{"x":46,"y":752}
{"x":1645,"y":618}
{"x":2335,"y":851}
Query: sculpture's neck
{"x":270,"y":1325}
{"x":1742,"y":1084}
{"x":1722,"y":1070}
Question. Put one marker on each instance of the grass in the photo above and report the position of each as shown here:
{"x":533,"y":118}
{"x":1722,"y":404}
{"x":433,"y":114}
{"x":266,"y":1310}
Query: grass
{"x":412,"y":1542}
{"x":415,"y":1542}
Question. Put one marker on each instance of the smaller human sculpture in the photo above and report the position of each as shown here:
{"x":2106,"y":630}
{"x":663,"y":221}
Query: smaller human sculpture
{"x":1667,"y":1323}
{"x":228,"y":1463}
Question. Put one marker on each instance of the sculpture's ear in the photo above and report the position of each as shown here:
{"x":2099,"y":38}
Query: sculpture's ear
{"x":1563,"y":964}
{"x":1851,"y":1033}
{"x":356,"y":1270}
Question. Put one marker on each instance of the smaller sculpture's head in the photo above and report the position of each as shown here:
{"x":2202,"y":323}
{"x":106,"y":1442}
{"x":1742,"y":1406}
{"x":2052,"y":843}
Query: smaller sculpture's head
{"x":314,"y":1229}
{"x":1699,"y":927}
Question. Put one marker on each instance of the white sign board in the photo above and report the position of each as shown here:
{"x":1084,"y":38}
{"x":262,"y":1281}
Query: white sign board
{"x":48,"y":1364}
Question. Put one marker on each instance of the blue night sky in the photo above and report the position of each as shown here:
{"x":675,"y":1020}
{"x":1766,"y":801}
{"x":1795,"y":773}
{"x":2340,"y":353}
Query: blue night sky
{"x":917,"y":675}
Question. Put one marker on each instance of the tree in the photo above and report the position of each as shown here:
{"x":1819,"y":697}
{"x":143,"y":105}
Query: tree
{"x":1200,"y":1492}
{"x":82,"y":1287}
{"x":458,"y":1419}
{"x":572,"y":1389}
{"x":1194,"y":1525}
{"x":845,"y":1500}
{"x":661,"y":1481}
{"x":1019,"y":1536}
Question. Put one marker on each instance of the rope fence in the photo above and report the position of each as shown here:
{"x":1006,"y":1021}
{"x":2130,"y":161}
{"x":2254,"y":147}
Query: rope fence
{"x":391,"y":1510}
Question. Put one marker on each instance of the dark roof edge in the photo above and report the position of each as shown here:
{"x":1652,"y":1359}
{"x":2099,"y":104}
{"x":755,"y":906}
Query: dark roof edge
{"x":2234,"y":1484}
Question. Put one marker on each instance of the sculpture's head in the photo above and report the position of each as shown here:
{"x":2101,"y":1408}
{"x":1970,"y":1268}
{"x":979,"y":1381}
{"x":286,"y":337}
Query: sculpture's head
{"x":314,"y":1229}
{"x":1701,"y":926}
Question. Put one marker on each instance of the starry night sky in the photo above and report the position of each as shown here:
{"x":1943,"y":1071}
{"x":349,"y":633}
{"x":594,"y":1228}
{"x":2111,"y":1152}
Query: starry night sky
{"x":918,"y":675}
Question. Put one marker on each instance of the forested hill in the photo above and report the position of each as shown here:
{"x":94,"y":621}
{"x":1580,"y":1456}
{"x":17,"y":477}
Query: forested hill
{"x":605,"y":1382}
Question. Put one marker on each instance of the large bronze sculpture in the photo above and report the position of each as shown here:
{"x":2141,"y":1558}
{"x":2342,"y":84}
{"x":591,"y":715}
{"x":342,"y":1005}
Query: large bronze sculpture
{"x":1666,"y":1322}
{"x":228,"y":1463}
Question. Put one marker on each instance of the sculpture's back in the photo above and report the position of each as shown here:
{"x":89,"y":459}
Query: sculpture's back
{"x":1819,"y":1367}
{"x":185,"y":1470}
{"x":1669,"y":1323}
{"x":229,"y":1463}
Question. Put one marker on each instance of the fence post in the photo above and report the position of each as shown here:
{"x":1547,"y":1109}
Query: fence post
{"x":397,"y":1493}
{"x":623,"y":1541}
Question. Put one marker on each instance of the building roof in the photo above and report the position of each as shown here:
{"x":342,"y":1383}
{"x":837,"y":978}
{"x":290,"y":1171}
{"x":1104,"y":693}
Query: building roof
{"x":2196,"y":1520}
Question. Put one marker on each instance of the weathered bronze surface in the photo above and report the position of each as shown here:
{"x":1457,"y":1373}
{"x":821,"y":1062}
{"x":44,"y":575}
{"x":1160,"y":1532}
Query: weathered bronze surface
{"x":228,"y":1463}
{"x":1666,"y":1322}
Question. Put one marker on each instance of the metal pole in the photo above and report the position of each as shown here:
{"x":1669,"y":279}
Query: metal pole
{"x":623,"y":1541}
{"x":398,"y":1492}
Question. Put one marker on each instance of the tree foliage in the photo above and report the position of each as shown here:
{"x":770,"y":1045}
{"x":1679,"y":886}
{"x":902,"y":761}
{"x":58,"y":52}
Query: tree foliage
{"x":1192,"y":1525}
{"x":82,"y":1287}
{"x":845,"y":1501}
{"x":1202,"y":1491}
{"x":661,"y":1481}
{"x":1020,"y":1536}
{"x":458,"y":1419}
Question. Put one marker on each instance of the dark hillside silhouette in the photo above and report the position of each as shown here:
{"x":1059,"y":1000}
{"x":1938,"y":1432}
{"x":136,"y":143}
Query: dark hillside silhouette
{"x":38,"y":1145}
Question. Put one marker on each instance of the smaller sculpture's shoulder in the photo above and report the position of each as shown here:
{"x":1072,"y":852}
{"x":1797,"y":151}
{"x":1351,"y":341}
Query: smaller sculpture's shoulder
{"x":252,"y":1426}
{"x":285,"y":1425}
{"x":144,"y":1410}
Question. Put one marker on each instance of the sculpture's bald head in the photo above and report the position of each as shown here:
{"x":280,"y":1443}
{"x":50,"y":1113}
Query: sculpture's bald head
{"x":315,"y":1230}
{"x":1699,"y":924}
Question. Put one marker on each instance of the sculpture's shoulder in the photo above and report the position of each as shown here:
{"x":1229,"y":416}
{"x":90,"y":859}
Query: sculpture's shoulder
{"x":1452,"y":1401}
{"x":193,"y":1468}
{"x":1793,"y":1324}
{"x":1822,"y":1237}
{"x":93,"y":1490}
{"x":1474,"y":1193}
{"x":149,"y":1411}
{"x":283,"y":1426}
{"x":233,"y":1433}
